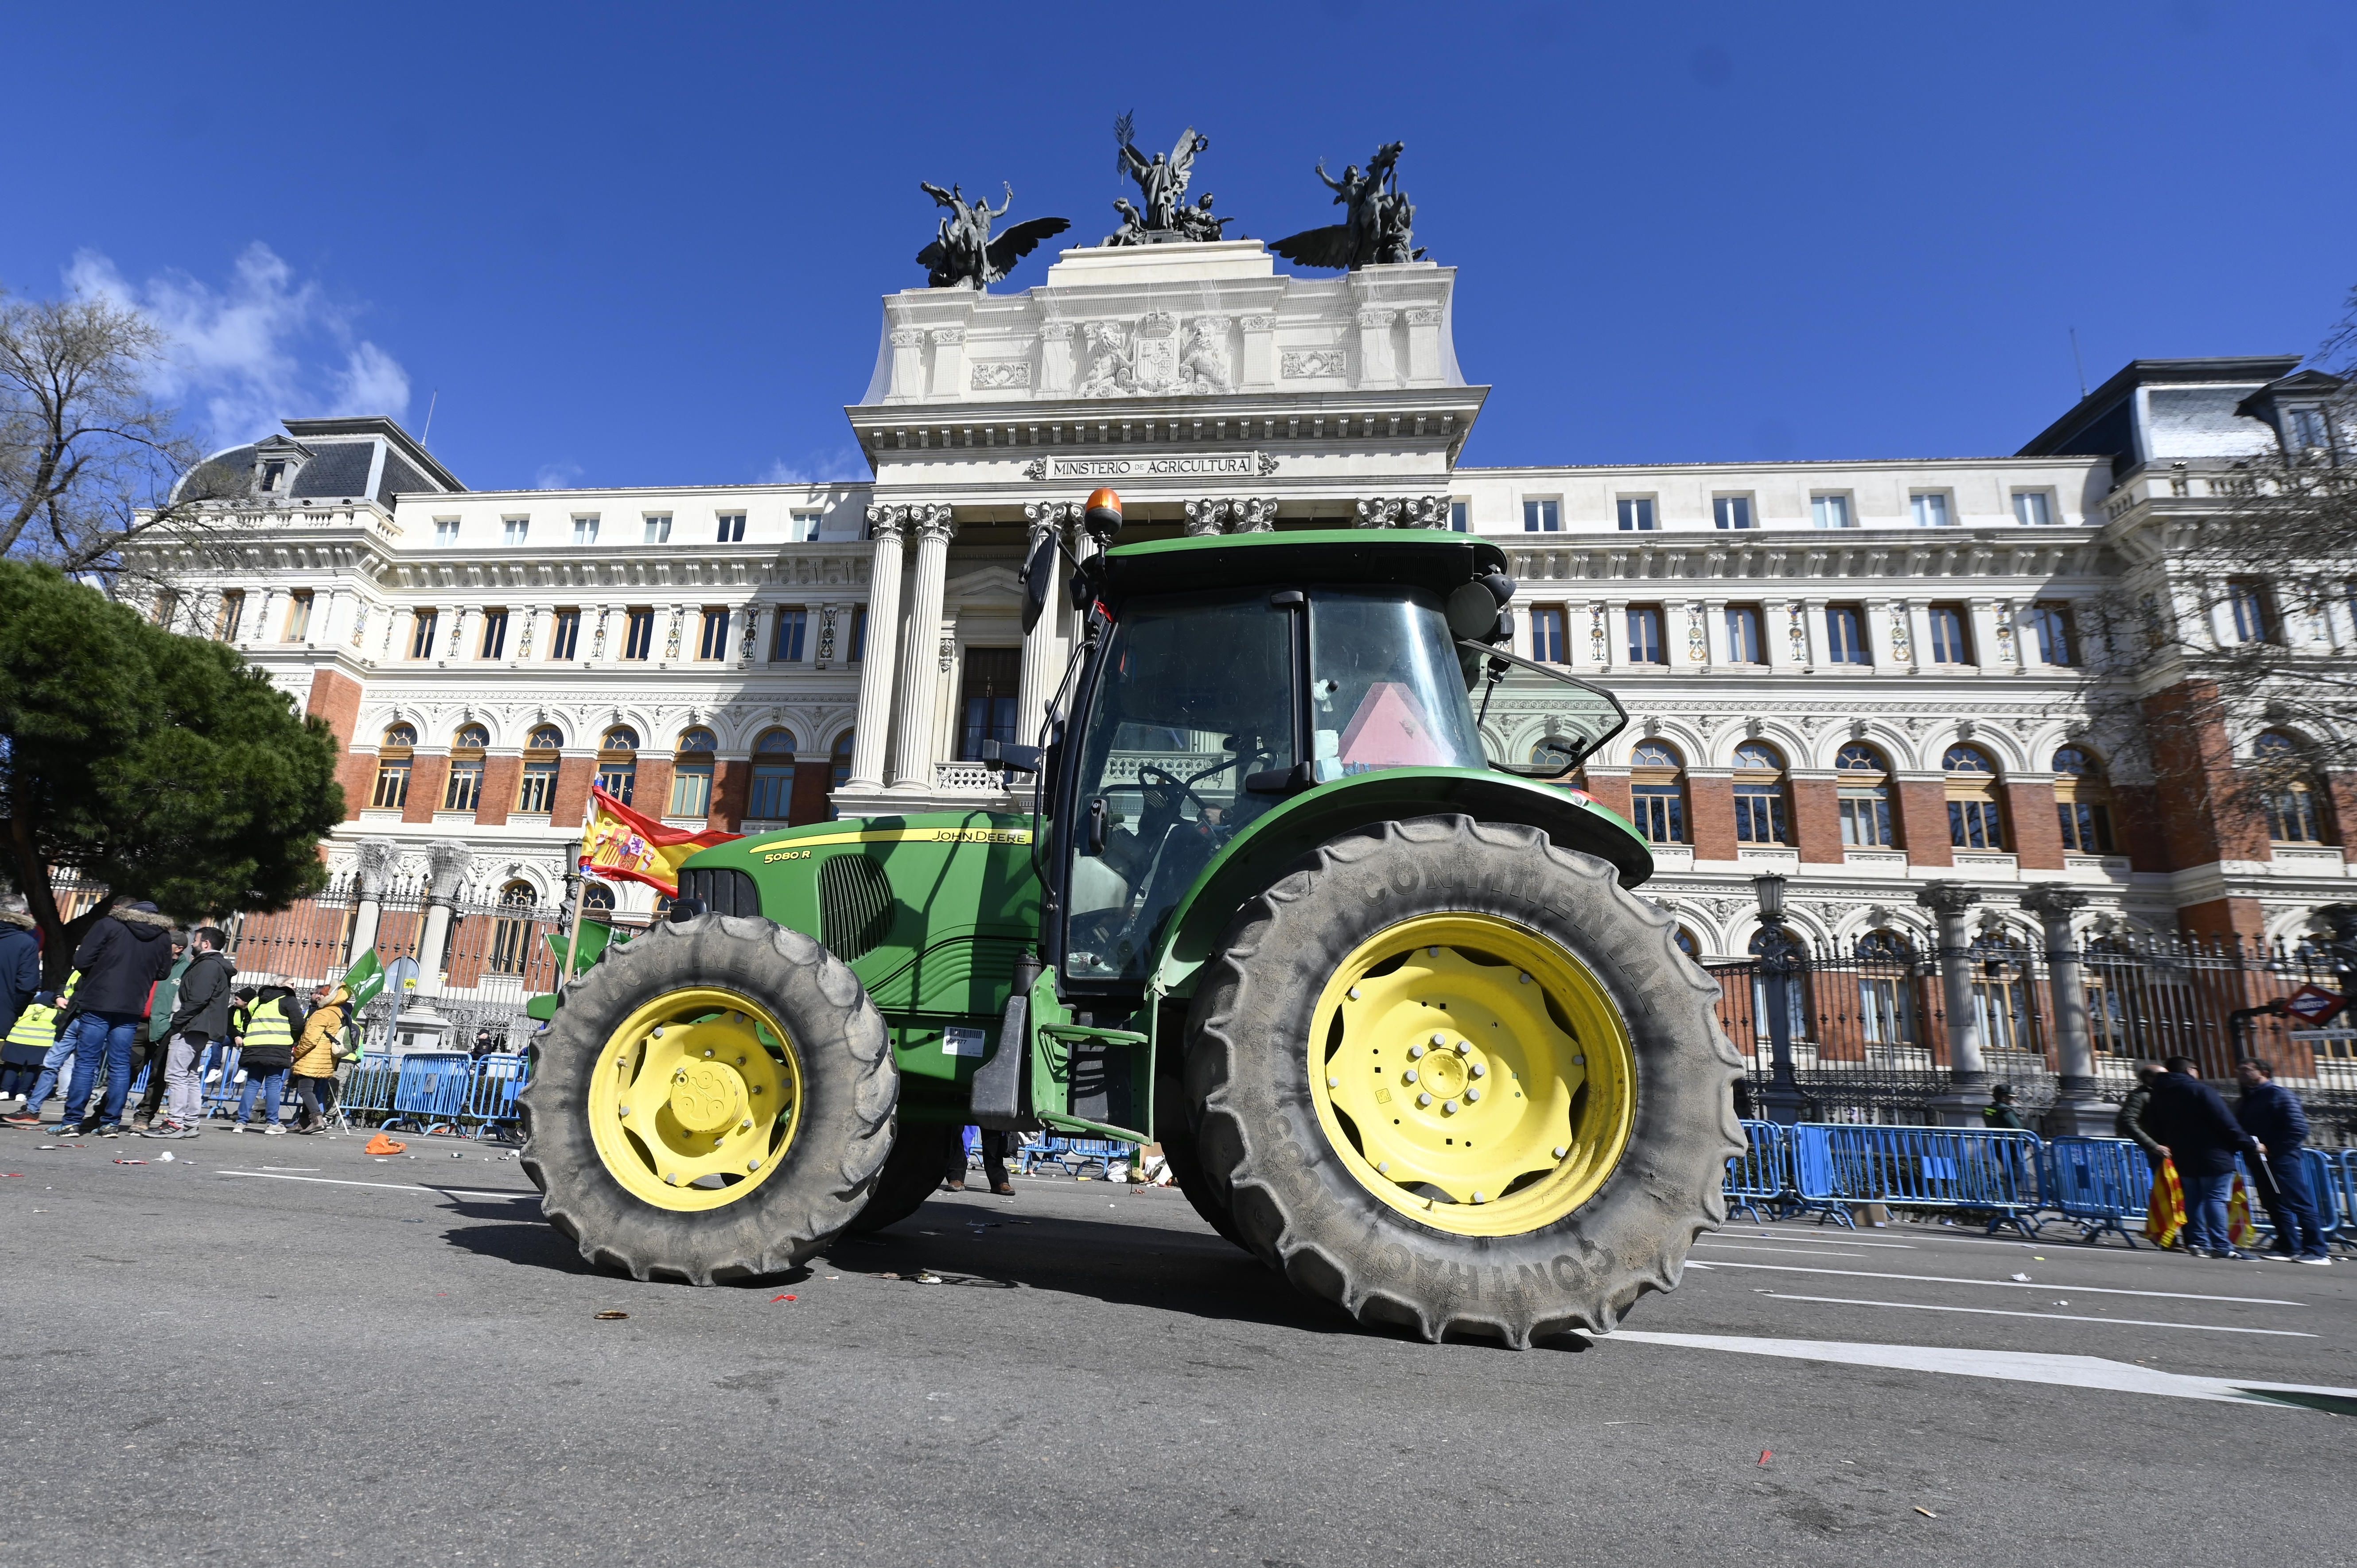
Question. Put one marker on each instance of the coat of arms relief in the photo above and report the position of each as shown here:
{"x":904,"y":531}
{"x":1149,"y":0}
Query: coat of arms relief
{"x":1156,"y":358}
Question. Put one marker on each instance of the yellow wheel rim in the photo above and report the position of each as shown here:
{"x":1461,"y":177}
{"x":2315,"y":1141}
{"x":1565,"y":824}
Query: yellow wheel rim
{"x":1472,"y":1074}
{"x":696,"y":1097}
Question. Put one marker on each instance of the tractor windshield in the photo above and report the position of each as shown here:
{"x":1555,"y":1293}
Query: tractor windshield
{"x":1386,"y":689}
{"x":1195,"y":696}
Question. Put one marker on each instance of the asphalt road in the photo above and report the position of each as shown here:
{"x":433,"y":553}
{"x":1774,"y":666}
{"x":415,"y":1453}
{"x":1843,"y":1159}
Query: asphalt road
{"x":332,"y":1357}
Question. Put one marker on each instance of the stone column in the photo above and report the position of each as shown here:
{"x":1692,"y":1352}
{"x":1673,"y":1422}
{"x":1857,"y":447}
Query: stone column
{"x":1960,"y":1105}
{"x":919,"y":685}
{"x":376,"y":858}
{"x":1044,"y":655}
{"x":449,"y":862}
{"x":2079,"y":1110}
{"x":886,"y":525}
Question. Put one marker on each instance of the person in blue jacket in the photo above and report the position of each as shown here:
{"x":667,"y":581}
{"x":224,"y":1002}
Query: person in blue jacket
{"x":2274,"y":1115}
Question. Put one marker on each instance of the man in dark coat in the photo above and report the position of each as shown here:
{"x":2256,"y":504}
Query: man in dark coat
{"x":2202,"y":1137}
{"x":121,"y":959}
{"x":199,"y":1018}
{"x":2129,"y":1123}
{"x":2273,"y":1114}
{"x":20,"y":980}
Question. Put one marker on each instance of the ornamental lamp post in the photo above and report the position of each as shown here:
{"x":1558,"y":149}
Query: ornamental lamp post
{"x":1779,"y":959}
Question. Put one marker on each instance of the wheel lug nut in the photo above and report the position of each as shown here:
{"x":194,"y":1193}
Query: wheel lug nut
{"x":1424,"y":1100}
{"x":1440,"y":1039}
{"x":747,"y":1124}
{"x":707,"y":1056}
{"x":625,"y":1111}
{"x":1382,"y":1167}
{"x":1464,"y":1047}
{"x":1409,"y":1076}
{"x":1448,"y":1109}
{"x":1352,"y":993}
{"x":1481,"y":1069}
{"x":671,"y":1179}
{"x":1414,"y":1052}
{"x":1471,"y":1095}
{"x":1560,"y":1151}
{"x":1526,"y":980}
{"x":658,"y":1031}
{"x":740,"y":1061}
{"x":1481,"y":1198}
{"x":1333,"y":1082}
{"x":752,"y":1165}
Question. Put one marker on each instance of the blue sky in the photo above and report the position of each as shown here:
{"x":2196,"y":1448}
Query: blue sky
{"x":645,"y":245}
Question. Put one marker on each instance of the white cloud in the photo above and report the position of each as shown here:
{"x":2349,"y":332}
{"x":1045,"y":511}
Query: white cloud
{"x":557,"y":477}
{"x":263,"y":348}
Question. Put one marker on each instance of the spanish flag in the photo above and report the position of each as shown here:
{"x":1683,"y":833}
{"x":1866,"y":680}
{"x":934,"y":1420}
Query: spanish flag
{"x":620,"y":846}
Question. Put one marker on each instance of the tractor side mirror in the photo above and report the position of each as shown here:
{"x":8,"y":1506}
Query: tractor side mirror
{"x":998,"y":754}
{"x":1038,"y":579}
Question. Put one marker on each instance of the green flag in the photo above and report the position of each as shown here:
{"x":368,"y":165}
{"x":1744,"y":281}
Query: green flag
{"x":364,"y":980}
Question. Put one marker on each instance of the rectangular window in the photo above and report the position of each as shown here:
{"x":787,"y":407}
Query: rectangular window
{"x":421,"y":634}
{"x":537,"y":793}
{"x":805,"y":526}
{"x":1846,"y":634}
{"x":232,"y":616}
{"x":732,"y":528}
{"x":858,"y":650}
{"x":2253,"y":617}
{"x":638,"y":634}
{"x":657,"y":530}
{"x":495,"y":635}
{"x":445,"y":530}
{"x":463,"y":789}
{"x":391,"y":792}
{"x":272,"y":472}
{"x":1659,"y":811}
{"x":166,"y":606}
{"x":2032,"y":509}
{"x":1460,"y":517}
{"x":1645,"y":636}
{"x":1975,"y":824}
{"x":564,"y":634}
{"x":1743,"y":644}
{"x":1731,"y":511}
{"x":2050,"y":632}
{"x":712,"y":642}
{"x":771,"y":799}
{"x":1829,"y":511}
{"x":1931,"y":511}
{"x":691,"y":791}
{"x":986,"y":699}
{"x":786,"y":646}
{"x":513,"y":530}
{"x":1636,"y":515}
{"x":2309,"y":431}
{"x":2086,"y":827}
{"x":1760,"y":814}
{"x":1865,"y":816}
{"x":1542,"y":517}
{"x":299,"y":614}
{"x":1951,"y":635}
{"x":619,"y":774}
{"x":585,"y":531}
{"x":1546,"y":635}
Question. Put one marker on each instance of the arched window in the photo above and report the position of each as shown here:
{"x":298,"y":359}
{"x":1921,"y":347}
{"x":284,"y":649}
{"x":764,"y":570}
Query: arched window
{"x":597,"y":900}
{"x":843,"y":758}
{"x":1973,"y":819}
{"x":1864,"y":786}
{"x":772,"y":796}
{"x":691,"y":777}
{"x":1760,"y":812}
{"x":512,"y":929}
{"x":1796,"y":998}
{"x":617,"y":762}
{"x":394,"y":759}
{"x":462,"y":787}
{"x":2288,"y":790}
{"x":1885,"y":989}
{"x":2082,"y":800}
{"x":1657,"y":791}
{"x":536,"y":788}
{"x":2000,"y":971}
{"x":1687,"y":943}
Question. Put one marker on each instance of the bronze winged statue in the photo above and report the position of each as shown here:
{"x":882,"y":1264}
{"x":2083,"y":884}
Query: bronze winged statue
{"x":963,"y":255}
{"x":1378,"y":221}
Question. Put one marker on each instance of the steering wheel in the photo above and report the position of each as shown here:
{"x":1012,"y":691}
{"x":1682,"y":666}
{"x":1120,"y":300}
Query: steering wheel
{"x":1163,"y":791}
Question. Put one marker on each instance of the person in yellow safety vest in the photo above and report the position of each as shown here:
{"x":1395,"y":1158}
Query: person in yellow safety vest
{"x":38,"y":1028}
{"x":272,"y":1022}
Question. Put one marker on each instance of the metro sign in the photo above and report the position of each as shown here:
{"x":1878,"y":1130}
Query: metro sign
{"x":2314,"y":1006}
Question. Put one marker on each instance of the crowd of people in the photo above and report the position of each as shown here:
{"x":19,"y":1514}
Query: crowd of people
{"x":2178,"y":1119}
{"x":142,"y":995}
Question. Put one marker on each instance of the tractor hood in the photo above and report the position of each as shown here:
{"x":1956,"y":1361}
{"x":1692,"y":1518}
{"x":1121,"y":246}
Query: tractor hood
{"x":1422,"y":558}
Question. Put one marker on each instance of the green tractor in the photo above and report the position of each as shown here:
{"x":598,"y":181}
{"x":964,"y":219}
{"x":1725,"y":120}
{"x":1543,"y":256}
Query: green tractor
{"x":1384,"y":998}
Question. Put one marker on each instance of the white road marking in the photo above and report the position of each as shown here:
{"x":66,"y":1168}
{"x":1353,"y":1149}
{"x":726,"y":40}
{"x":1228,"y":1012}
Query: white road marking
{"x":2009,"y":1284}
{"x":2012,"y":1366}
{"x":386,"y":1185}
{"x":1795,"y":1252}
{"x":1815,"y":1240}
{"x":2062,"y":1316}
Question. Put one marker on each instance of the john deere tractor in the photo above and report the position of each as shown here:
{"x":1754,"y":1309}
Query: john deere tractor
{"x":1299,"y":900}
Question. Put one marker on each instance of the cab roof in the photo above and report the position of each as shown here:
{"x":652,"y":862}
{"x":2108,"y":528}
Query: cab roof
{"x":1422,"y":558}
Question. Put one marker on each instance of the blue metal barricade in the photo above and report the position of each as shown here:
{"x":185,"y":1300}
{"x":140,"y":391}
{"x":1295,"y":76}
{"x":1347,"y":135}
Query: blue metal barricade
{"x":431,"y":1091}
{"x":368,"y":1088}
{"x":223,"y":1080}
{"x":492,"y":1084}
{"x":1966,"y":1169}
{"x":2102,"y":1185}
{"x":2323,"y":1174}
{"x":1758,"y":1175}
{"x":2345,"y":1192}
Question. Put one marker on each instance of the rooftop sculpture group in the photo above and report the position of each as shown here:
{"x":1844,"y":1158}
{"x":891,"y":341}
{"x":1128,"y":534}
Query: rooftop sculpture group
{"x":1378,"y":227}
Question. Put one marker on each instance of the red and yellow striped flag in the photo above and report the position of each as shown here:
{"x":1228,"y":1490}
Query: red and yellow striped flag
{"x":620,"y":846}
{"x":2164,"y":1213}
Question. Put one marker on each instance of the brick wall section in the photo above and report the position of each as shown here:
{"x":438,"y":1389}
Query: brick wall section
{"x":1710,"y":817}
{"x":335,"y":698}
{"x":813,"y":798}
{"x":427,"y":774}
{"x":2341,"y":792}
{"x":1816,"y":820}
{"x":732,"y":785}
{"x":650,"y":795}
{"x":1922,"y":825}
{"x":2037,"y":829}
{"x":501,"y":777}
{"x":356,"y":771}
{"x":2224,"y":917}
{"x":2135,"y":827}
{"x":574,"y":776}
{"x":1609,"y":791}
{"x":2194,"y":766}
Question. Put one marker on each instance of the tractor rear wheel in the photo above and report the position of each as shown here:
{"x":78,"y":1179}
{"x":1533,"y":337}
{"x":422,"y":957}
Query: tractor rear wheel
{"x":712,"y":1101}
{"x":1451,"y":1077}
{"x":911,"y":1174}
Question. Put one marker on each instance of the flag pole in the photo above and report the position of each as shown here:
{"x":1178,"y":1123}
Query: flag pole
{"x":573,"y":944}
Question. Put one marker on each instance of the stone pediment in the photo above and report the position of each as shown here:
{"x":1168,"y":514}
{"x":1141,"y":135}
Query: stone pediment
{"x":1165,"y":321}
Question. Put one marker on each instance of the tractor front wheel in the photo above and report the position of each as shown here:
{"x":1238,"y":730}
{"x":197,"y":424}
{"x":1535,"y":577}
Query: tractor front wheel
{"x":712,"y":1101}
{"x":1451,"y":1077}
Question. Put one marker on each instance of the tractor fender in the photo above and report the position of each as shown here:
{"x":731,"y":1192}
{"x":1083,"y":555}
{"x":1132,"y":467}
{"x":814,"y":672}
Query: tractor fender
{"x":1264,"y":850}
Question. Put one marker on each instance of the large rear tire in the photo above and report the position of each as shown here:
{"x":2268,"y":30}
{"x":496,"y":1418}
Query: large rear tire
{"x":911,"y":1174}
{"x":1450,"y":1077}
{"x":712,"y":1101}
